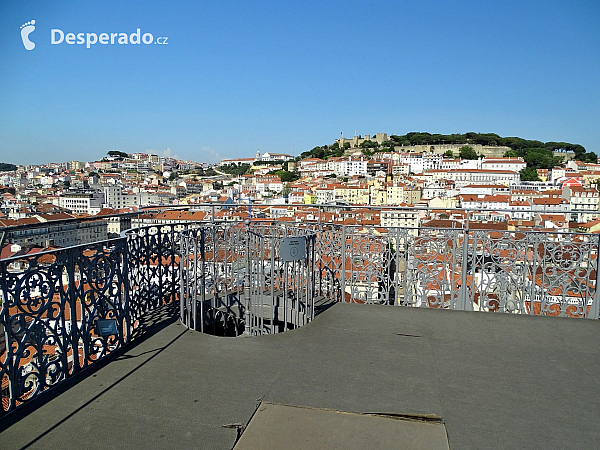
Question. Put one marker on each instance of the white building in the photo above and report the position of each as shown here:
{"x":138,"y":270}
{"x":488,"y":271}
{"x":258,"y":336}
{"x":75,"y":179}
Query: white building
{"x":82,"y":201}
{"x":462,"y":177}
{"x":512,"y":164}
{"x":404,"y":218}
{"x":420,"y":162}
{"x":270,"y":156}
{"x":584,"y":200}
{"x":113,"y":196}
{"x":352,"y":166}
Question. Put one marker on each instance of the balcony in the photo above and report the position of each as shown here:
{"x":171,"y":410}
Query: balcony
{"x":508,"y":377}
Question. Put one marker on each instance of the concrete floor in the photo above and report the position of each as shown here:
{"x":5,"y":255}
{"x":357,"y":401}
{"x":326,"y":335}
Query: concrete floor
{"x":495,"y":380}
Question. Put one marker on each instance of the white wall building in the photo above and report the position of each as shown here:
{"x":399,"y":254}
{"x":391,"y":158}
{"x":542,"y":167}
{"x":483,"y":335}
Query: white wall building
{"x":82,"y":201}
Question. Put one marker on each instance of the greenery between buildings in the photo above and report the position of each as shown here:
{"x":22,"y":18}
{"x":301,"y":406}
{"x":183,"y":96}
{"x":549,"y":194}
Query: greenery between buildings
{"x":285,"y":175}
{"x":467,"y":152}
{"x":6,"y":167}
{"x":234,"y":169}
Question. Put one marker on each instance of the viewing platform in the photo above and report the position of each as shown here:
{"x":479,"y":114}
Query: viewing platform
{"x":346,"y":338}
{"x":492,"y":380}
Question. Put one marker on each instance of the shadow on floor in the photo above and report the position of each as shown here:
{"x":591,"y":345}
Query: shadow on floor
{"x":152,"y":323}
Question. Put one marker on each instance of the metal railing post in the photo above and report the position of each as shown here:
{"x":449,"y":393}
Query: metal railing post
{"x":202,"y":281}
{"x":312,"y":281}
{"x":533,"y":277}
{"x":343,"y":265}
{"x":247,"y":293}
{"x":73,"y":305}
{"x":126,"y":287}
{"x":462,"y":302}
{"x":595,"y":306}
{"x":182,"y":275}
{"x":10,"y":360}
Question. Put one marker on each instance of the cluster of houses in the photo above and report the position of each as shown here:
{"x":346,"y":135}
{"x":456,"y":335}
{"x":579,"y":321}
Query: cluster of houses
{"x":399,"y":188}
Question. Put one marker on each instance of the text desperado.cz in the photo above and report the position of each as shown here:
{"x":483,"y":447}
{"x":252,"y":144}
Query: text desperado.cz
{"x":58,"y":36}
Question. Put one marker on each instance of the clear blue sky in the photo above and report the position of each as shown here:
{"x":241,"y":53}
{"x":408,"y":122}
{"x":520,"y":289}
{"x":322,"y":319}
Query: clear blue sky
{"x":237,"y":76}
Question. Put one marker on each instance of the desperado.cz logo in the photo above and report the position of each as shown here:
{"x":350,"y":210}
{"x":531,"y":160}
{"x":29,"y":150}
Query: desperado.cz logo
{"x":89,"y":39}
{"x":58,"y":36}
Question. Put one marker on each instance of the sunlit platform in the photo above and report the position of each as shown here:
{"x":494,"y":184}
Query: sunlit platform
{"x":492,"y":380}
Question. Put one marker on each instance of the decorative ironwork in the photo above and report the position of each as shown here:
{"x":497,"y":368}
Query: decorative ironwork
{"x":231,"y":277}
{"x":234,"y":280}
{"x":153,"y":268}
{"x":51,"y":304}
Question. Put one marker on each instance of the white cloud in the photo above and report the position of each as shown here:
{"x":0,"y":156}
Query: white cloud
{"x":168,"y":153}
{"x":211,"y":154}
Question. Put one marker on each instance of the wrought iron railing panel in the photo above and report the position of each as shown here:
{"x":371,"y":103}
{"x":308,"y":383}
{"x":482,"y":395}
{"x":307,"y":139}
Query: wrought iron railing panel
{"x":233,"y":274}
{"x":51,"y":304}
{"x":153,"y":267}
{"x":501,"y":266}
{"x":432,"y":270}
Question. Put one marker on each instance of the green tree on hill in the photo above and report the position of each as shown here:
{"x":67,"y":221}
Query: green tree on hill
{"x":118,"y":154}
{"x":529,"y":174}
{"x":369,"y":144}
{"x":235,"y":169}
{"x":540,"y":158}
{"x":467,"y":152}
{"x":511,"y":154}
{"x":285,"y":175}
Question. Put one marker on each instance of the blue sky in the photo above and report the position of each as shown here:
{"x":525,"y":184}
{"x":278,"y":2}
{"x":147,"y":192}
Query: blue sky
{"x":271,"y":75}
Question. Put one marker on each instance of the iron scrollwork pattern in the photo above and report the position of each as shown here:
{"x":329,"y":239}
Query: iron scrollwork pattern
{"x":51,"y":303}
{"x":233,"y":279}
{"x":153,"y":261}
{"x":233,"y":274}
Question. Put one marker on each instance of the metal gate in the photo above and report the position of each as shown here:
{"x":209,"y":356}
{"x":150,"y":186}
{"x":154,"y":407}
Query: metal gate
{"x":247,"y":278}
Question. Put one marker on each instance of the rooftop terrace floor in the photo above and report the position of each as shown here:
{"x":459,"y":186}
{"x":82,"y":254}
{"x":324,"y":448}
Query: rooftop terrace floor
{"x":496,"y":380}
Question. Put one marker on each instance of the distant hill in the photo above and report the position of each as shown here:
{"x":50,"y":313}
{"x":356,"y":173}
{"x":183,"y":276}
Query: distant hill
{"x":537,"y":154}
{"x":6,"y":167}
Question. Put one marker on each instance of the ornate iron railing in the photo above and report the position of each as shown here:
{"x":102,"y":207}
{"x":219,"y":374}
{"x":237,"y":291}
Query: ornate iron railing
{"x":235,"y":278}
{"x":532,"y":273}
{"x":64,"y":310}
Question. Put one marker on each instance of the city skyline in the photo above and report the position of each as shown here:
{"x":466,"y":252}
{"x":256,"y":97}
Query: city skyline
{"x":235,"y":77}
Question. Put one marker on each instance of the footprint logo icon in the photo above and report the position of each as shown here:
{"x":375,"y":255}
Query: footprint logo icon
{"x":26,"y":30}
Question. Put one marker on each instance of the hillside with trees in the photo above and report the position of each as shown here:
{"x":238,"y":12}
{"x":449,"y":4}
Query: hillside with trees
{"x":7,"y":167}
{"x":537,"y":154}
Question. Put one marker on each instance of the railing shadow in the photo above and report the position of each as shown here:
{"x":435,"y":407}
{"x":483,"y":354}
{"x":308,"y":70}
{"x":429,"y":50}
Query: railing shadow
{"x":155,"y":320}
{"x":152,"y":323}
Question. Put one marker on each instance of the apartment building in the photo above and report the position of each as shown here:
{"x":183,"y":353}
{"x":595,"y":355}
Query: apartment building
{"x":463,"y":177}
{"x":53,"y":230}
{"x":582,"y":199}
{"x":405,"y":218}
{"x":354,"y":195}
{"x":511,"y":164}
{"x":82,"y":201}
